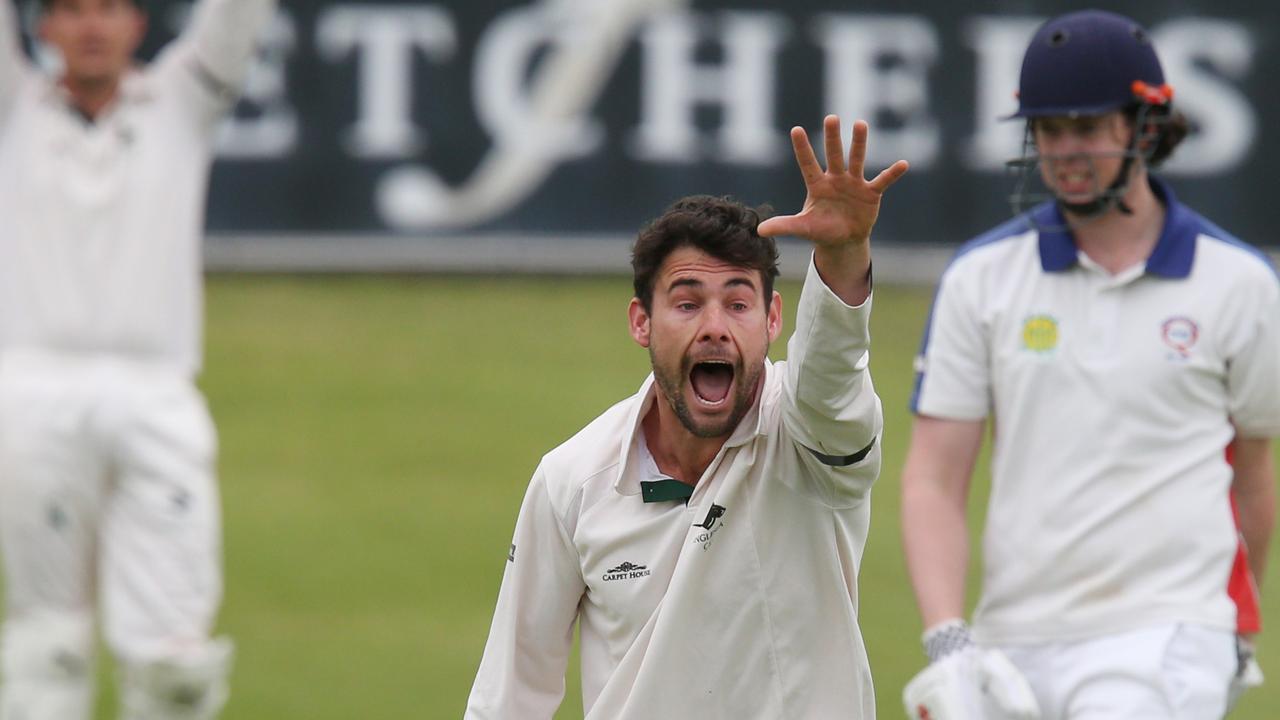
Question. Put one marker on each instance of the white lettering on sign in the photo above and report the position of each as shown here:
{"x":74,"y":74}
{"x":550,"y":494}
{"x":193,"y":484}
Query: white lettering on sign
{"x":593,"y":34}
{"x":709,"y":85}
{"x":877,"y":66}
{"x":1197,"y":53}
{"x":743,"y":85}
{"x":504,"y":99}
{"x":998,"y":44}
{"x":385,"y":37}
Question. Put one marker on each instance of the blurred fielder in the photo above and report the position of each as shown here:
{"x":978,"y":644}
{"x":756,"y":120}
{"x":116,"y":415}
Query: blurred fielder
{"x":706,"y":532}
{"x":107,"y":494}
{"x":1118,"y":341}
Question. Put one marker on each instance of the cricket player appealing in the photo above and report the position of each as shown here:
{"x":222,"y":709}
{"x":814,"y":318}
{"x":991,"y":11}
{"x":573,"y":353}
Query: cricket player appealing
{"x":1117,"y":341}
{"x":108,"y":503}
{"x":706,"y":532}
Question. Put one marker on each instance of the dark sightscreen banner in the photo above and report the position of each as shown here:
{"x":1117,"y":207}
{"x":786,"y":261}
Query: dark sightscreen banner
{"x":421,"y":120}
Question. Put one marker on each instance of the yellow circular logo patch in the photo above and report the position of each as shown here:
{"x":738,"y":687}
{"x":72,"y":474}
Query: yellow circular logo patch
{"x":1040,"y":333}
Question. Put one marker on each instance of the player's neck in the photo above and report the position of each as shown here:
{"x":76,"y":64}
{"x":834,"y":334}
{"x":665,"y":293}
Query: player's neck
{"x":678,"y":452}
{"x":1118,"y":241}
{"x":91,"y":96}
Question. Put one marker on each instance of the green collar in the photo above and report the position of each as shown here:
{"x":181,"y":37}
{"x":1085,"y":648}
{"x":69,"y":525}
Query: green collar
{"x":664,"y":490}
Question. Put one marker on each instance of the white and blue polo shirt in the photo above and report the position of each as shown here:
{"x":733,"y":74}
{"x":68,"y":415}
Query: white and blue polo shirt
{"x":1111,"y":399}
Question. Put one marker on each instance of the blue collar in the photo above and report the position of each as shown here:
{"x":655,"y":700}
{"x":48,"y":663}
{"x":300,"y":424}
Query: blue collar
{"x":1171,"y":258}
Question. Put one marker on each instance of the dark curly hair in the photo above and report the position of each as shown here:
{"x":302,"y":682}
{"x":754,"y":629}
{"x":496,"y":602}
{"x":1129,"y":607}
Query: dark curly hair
{"x":1169,"y":126}
{"x":718,"y":226}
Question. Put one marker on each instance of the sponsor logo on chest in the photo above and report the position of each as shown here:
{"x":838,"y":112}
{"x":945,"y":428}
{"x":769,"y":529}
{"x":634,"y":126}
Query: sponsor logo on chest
{"x":626,"y":571}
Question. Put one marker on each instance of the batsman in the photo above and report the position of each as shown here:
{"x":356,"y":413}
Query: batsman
{"x":1114,"y":342}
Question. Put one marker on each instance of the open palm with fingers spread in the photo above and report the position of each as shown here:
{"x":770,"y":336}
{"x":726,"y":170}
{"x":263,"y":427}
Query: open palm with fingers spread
{"x":841,"y":205}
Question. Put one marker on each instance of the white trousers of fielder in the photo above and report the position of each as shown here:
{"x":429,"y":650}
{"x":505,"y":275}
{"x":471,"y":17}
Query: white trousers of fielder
{"x":108,"y":508}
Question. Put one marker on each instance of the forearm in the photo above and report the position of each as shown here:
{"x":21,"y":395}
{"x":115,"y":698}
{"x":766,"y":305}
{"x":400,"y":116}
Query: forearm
{"x":1254,"y":487}
{"x":935,"y":491}
{"x":10,"y":33}
{"x":833,"y":407}
{"x":225,"y":33}
{"x":846,"y":269}
{"x":936,"y":543}
{"x":12,"y":59}
{"x":830,"y":407}
{"x":1256,"y":524}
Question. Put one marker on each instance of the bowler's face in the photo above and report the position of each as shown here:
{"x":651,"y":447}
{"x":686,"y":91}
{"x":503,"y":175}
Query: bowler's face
{"x":708,"y":335}
{"x":97,"y":38}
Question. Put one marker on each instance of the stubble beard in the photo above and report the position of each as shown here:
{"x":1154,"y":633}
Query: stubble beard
{"x":672,"y":387}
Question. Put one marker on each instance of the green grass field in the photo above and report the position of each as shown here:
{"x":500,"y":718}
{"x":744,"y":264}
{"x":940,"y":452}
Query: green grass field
{"x":377,"y":436}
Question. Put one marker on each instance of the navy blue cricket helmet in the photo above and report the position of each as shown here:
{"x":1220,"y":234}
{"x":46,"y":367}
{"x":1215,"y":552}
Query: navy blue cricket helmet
{"x":1089,"y":63}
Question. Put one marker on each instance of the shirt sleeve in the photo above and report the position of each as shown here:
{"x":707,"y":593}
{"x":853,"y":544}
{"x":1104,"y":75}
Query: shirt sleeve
{"x":953,"y":376}
{"x":13,"y":61}
{"x":1253,"y":369}
{"x":211,"y":58}
{"x":523,"y":669}
{"x":830,"y":407}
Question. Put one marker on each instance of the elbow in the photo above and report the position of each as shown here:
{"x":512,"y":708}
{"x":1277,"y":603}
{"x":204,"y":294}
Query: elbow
{"x":856,"y":480}
{"x":926,"y":494}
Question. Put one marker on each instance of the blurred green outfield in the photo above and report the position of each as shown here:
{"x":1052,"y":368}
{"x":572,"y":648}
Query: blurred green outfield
{"x":377,"y":435}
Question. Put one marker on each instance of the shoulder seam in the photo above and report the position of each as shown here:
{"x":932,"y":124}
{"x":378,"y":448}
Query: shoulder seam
{"x":1215,"y":234}
{"x":585,"y":477}
{"x":1009,"y":230}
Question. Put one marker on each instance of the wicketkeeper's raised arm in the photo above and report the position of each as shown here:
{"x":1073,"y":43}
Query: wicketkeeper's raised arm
{"x":214,"y":52}
{"x":13,"y":63}
{"x":225,"y":33}
{"x":833,"y":411}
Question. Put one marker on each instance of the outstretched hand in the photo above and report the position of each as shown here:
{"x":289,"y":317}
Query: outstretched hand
{"x":842,"y":205}
{"x":839,"y":211}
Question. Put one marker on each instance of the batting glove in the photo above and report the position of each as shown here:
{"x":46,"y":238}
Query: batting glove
{"x":1249,"y":674}
{"x":966,"y":682}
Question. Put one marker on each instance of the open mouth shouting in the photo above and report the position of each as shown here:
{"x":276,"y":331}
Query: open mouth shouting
{"x":712,"y":383}
{"x":712,"y":395}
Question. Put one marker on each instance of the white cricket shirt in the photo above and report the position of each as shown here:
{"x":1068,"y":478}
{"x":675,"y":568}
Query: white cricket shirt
{"x":1112,"y":400}
{"x":101,"y":222}
{"x":742,"y":604}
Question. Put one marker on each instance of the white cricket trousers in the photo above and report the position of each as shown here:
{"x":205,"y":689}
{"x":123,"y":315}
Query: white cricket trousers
{"x":1165,"y":672}
{"x":108,"y":508}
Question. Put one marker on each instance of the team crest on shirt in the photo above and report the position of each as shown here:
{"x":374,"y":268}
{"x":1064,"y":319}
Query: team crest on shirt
{"x":1180,"y":333}
{"x":710,"y":526}
{"x":1040,"y":333}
